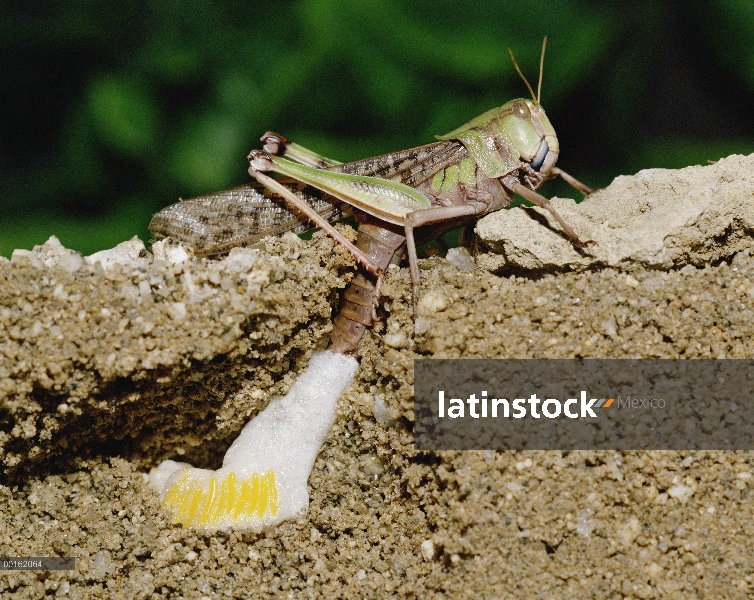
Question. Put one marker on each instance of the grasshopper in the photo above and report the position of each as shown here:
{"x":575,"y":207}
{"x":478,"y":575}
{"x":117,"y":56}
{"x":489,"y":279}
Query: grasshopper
{"x":469,"y":172}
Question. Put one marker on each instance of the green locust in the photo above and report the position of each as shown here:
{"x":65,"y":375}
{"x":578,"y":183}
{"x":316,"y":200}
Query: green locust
{"x":467,"y":173}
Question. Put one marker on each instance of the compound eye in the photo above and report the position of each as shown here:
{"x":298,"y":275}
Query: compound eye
{"x":521,"y":110}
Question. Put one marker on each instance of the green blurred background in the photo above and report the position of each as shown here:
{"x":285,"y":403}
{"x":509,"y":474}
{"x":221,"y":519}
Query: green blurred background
{"x":112,"y":110}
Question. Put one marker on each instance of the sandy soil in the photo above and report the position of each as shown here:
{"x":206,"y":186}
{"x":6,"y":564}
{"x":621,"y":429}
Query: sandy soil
{"x":105,"y":372}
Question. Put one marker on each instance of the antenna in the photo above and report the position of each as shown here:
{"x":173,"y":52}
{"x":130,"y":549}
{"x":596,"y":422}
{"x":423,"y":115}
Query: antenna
{"x":541,"y":68}
{"x":515,"y":64}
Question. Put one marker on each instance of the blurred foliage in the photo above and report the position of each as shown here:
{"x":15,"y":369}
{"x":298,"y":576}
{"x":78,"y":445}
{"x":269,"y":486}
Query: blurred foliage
{"x":112,"y":110}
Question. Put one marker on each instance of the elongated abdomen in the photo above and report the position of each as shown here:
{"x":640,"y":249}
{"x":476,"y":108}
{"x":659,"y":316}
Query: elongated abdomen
{"x":381,"y":241}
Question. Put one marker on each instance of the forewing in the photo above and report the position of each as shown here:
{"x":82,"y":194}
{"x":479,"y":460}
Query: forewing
{"x":383,"y":198}
{"x":240,"y":216}
{"x":412,"y":166}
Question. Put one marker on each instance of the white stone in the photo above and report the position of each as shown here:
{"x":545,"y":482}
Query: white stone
{"x":658,"y":218}
{"x":681,"y":492}
{"x":130,"y":254}
{"x":428,"y":549}
{"x":460,"y":258}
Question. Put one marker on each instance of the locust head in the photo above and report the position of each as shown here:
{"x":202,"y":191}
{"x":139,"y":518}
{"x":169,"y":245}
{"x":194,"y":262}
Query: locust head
{"x":503,"y":138}
{"x":531,"y":133}
{"x":528,"y":125}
